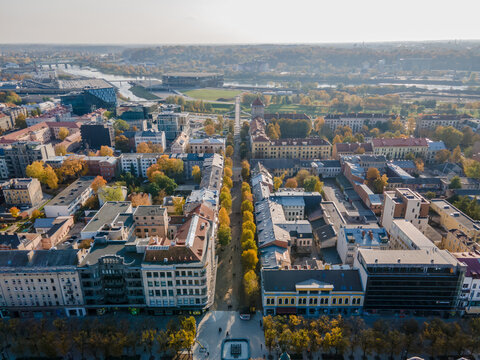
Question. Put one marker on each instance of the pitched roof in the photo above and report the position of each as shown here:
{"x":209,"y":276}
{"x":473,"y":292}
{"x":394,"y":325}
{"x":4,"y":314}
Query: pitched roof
{"x":257,"y":102}
{"x":399,"y":142}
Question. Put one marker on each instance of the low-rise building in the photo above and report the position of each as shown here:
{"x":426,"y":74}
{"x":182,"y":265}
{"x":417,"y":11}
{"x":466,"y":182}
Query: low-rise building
{"x":114,"y":221}
{"x":326,"y":168}
{"x":20,"y":241}
{"x":431,"y":122}
{"x":311,"y":292}
{"x":350,"y":239}
{"x":22,"y":192}
{"x":70,"y":199}
{"x":172,"y":123}
{"x":207,"y":145}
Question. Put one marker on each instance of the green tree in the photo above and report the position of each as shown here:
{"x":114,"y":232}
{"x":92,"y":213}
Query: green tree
{"x":224,"y":235}
{"x":455,"y":183}
{"x":111,"y":193}
{"x":313,"y":183}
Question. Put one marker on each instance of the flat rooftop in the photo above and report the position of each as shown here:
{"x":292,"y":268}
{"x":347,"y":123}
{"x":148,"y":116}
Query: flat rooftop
{"x":445,"y":207}
{"x":366,"y":237}
{"x":107,"y":214}
{"x":407,"y":257}
{"x":73,"y":191}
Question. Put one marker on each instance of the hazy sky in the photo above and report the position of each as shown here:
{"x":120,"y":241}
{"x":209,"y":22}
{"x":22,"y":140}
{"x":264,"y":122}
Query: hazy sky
{"x":239,"y":21}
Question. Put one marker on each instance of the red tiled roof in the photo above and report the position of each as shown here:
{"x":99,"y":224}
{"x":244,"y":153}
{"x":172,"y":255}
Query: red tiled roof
{"x":351,"y":147}
{"x":12,"y":137}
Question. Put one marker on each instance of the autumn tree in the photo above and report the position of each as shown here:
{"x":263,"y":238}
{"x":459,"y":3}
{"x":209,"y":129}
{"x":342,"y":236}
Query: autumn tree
{"x":471,"y":168}
{"x":291,"y":183}
{"x":249,"y":259}
{"x":277,"y":183}
{"x":209,"y":130}
{"x":223,"y":218}
{"x":14,"y":211}
{"x":178,"y":203}
{"x":63,"y":133}
{"x":229,"y":151}
{"x":227,"y":182}
{"x":98,"y":183}
{"x":250,"y":283}
{"x":228,"y":172}
{"x":60,"y":150}
{"x":143,"y":148}
{"x":36,"y":214}
{"x":245,"y":170}
{"x":246,"y":235}
{"x":442,"y":156}
{"x":247,"y":216}
{"x":246,"y":206}
{"x":372,"y":175}
{"x":380,"y":184}
{"x":456,"y":155}
{"x":249,"y":225}
{"x":197,"y":174}
{"x":139,"y":199}
{"x":301,"y":176}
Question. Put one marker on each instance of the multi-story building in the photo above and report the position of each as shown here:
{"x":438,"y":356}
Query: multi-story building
{"x":258,"y":108}
{"x":114,"y":221}
{"x":470,"y":294}
{"x":179,"y":274}
{"x":433,"y":147}
{"x":21,"y":154}
{"x":208,"y":145}
{"x":410,"y":282}
{"x":180,"y":144}
{"x":431,"y":122}
{"x":89,"y":99}
{"x":350,"y":239}
{"x":151,"y":136}
{"x":138,"y":163}
{"x":452,"y":218}
{"x":309,"y":148}
{"x":399,"y":148}
{"x":40,"y":283}
{"x":3,"y":165}
{"x":403,"y":203}
{"x":95,"y":135}
{"x":57,"y":114}
{"x":111,"y":276}
{"x":22,"y":192}
{"x":70,"y":199}
{"x":457,"y":241}
{"x":14,"y":112}
{"x":6,"y":122}
{"x":354,"y":121}
{"x":72,"y":127}
{"x":311,"y":292}
{"x":151,"y":221}
{"x":404,"y":236}
{"x":172,"y":123}
{"x":212,"y":173}
{"x":37,"y":133}
{"x":345,"y":149}
{"x":23,"y":241}
{"x":105,"y":166}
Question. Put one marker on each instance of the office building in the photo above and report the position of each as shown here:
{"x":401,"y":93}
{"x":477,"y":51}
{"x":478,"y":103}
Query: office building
{"x":138,"y":163}
{"x":95,"y":135}
{"x":172,"y":123}
{"x":89,"y":99}
{"x":410,"y":282}
{"x":350,"y":239}
{"x":22,"y":192}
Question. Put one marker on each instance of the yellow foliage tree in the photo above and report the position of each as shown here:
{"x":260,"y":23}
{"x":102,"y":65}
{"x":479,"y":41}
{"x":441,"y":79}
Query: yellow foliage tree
{"x":98,"y":183}
{"x":223,"y":218}
{"x":63,"y":133}
{"x":106,"y":151}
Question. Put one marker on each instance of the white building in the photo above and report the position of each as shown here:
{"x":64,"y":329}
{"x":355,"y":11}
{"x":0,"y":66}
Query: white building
{"x":71,"y":199}
{"x":40,"y":281}
{"x":470,"y":294}
{"x":150,"y":136}
{"x":405,"y":236}
{"x":350,"y":239}
{"x":180,"y":145}
{"x":207,"y":145}
{"x":138,"y":162}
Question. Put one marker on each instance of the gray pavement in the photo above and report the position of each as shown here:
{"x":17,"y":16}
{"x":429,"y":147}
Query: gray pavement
{"x":209,"y":337}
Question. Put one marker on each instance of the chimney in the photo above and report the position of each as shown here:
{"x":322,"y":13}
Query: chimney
{"x":398,"y":260}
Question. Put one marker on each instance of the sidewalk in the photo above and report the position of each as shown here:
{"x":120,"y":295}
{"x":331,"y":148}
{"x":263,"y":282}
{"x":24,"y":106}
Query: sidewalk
{"x":209,"y":336}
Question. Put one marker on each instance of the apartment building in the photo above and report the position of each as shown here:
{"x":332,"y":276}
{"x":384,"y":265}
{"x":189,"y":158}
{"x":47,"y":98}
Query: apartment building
{"x":431,"y":122}
{"x":151,"y":136}
{"x":138,"y":163}
{"x":457,"y":241}
{"x":40,"y":283}
{"x":399,"y":148}
{"x":37,"y":133}
{"x":179,"y":274}
{"x":68,"y":201}
{"x":308,"y":148}
{"x":346,"y":149}
{"x":350,"y":239}
{"x":311,"y":292}
{"x":72,"y":127}
{"x":114,"y":221}
{"x":207,"y":145}
{"x":6,"y":122}
{"x":212,"y":173}
{"x":403,"y":203}
{"x":470,"y":293}
{"x":21,"y":154}
{"x":172,"y":123}
{"x":452,"y":218}
{"x":404,"y":235}
{"x":3,"y":165}
{"x":407,"y":281}
{"x":97,"y":134}
{"x":180,"y":144}
{"x":22,"y":192}
{"x":354,"y":121}
{"x":151,"y":221}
